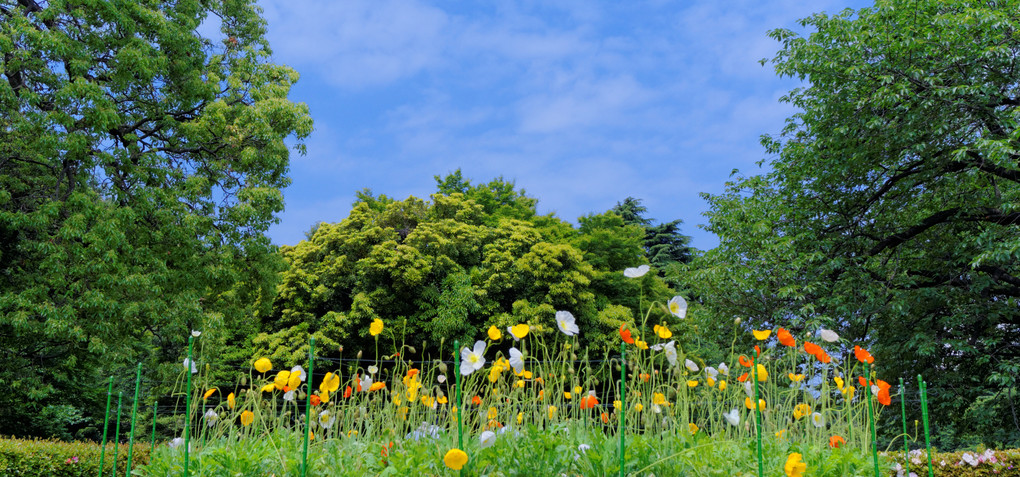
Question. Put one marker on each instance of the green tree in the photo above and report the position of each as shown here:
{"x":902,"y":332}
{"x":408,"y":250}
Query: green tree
{"x":664,"y":244}
{"x":891,"y":210}
{"x":140,"y":166}
{"x":447,"y":268}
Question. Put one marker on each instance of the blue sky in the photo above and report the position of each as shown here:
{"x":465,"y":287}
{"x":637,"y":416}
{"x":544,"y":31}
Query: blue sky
{"x":581,"y":103}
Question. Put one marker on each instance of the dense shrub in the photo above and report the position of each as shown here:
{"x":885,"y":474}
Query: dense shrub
{"x":50,"y":458}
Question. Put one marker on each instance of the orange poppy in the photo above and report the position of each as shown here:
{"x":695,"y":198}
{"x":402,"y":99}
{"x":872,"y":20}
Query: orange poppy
{"x":376,"y":386}
{"x":605,"y":418}
{"x":823,"y":357}
{"x":589,"y":402}
{"x":785,"y":338}
{"x":864,"y":382}
{"x":742,"y":378}
{"x":863,"y":355}
{"x":316,"y":400}
{"x":836,"y":441}
{"x":744,"y":361}
{"x":412,"y":372}
{"x":477,"y":401}
{"x":645,"y":376}
{"x":347,"y":391}
{"x":757,"y":350}
{"x":883,"y":392}
{"x":625,"y":335}
{"x":812,"y":348}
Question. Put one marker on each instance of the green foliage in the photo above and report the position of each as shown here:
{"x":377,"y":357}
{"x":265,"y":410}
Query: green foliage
{"x":46,"y":458}
{"x":140,"y":166}
{"x":439,"y":270}
{"x":890,"y":214}
{"x":665,"y":247}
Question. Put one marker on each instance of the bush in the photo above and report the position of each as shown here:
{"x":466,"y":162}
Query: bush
{"x":50,"y":458}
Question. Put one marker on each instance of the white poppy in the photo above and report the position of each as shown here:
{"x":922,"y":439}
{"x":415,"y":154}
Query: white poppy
{"x":670,"y":349}
{"x":298,"y":369}
{"x":289,"y":395}
{"x":211,"y":417}
{"x":190,"y":364}
{"x":636,"y":272}
{"x":817,"y":419}
{"x":195,"y":333}
{"x":691,"y":365}
{"x":441,"y":378}
{"x":472,"y":360}
{"x":749,"y":389}
{"x":487,"y":439}
{"x":517,"y":360}
{"x":372,"y":370}
{"x":725,"y":370}
{"x":565,"y":321}
{"x":366,"y":382}
{"x":656,"y":409}
{"x":326,"y":419}
{"x":583,"y":448}
{"x":711,"y":372}
{"x":828,"y":336}
{"x":678,"y":306}
{"x":176,"y":442}
{"x":732,"y":417}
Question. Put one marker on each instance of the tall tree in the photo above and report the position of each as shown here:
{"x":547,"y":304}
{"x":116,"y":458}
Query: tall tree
{"x":140,"y":166}
{"x":664,"y":244}
{"x":891,"y":211}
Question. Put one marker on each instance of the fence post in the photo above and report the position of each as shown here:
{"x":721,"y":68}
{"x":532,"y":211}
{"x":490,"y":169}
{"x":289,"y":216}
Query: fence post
{"x":116,"y":434}
{"x":154,"y":410}
{"x":134,"y":418}
{"x":623,"y":406}
{"x":308,"y":406}
{"x":456,"y":377}
{"x":903,"y":412}
{"x":924,"y":417}
{"x":757,"y":413}
{"x":187,"y":406}
{"x":106,"y":425}
{"x":871,"y":416}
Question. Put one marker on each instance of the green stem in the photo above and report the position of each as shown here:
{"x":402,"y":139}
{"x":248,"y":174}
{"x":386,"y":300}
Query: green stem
{"x":903,"y":413}
{"x":308,"y":406}
{"x":456,"y":377}
{"x":871,"y":417}
{"x":757,"y":413}
{"x":924,"y":417}
{"x":116,"y":434}
{"x":623,"y":405}
{"x":187,"y":404}
{"x":134,"y":418}
{"x":154,"y":410}
{"x":106,"y":425}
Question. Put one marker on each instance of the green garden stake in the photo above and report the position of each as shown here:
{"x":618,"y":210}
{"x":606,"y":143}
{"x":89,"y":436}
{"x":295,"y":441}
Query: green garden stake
{"x":308,"y":406}
{"x":757,"y":414}
{"x":106,"y":425}
{"x":623,"y":403}
{"x":134,"y":419}
{"x":903,"y":412}
{"x":153,"y":444}
{"x":871,"y":418}
{"x":187,"y":405}
{"x":923,"y":387}
{"x":456,"y":377}
{"x":116,"y":434}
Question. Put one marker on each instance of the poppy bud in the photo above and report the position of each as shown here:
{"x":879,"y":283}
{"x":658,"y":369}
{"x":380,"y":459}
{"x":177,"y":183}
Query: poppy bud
{"x":412,"y":349}
{"x":736,"y":321}
{"x":244,"y":380}
{"x":359,"y":354}
{"x":301,"y":395}
{"x":573,"y":356}
{"x":442,"y":368}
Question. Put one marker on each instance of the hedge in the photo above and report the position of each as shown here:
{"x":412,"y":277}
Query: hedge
{"x":51,"y":458}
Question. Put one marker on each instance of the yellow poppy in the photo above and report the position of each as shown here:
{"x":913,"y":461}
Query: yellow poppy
{"x":794,"y":466}
{"x":376,"y":327}
{"x":639,"y":407}
{"x":567,"y":395}
{"x":552,"y":412}
{"x":268,"y":388}
{"x":641,"y":344}
{"x":761,"y":404}
{"x":377,"y":386}
{"x":663,"y":332}
{"x":722,"y":385}
{"x":796,"y":377}
{"x":781,"y":433}
{"x":710,"y":382}
{"x":493,"y":412}
{"x":801,"y":410}
{"x":658,"y":398}
{"x":617,"y":404}
{"x":761,"y":335}
{"x":330,"y":383}
{"x":762,"y":373}
{"x":455,"y":459}
{"x":208,"y":393}
{"x":692,"y":384}
{"x":295,"y":379}
{"x":231,"y":402}
{"x":247,"y":417}
{"x":693,"y":427}
{"x":839,"y":383}
{"x":519,"y":331}
{"x":495,"y":334}
{"x":281,"y":379}
{"x":262,"y":365}
{"x":520,"y":417}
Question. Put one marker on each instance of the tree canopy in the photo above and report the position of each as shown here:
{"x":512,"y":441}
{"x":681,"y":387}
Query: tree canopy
{"x":891,"y":209}
{"x":470,"y":257}
{"x":140,"y":166}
